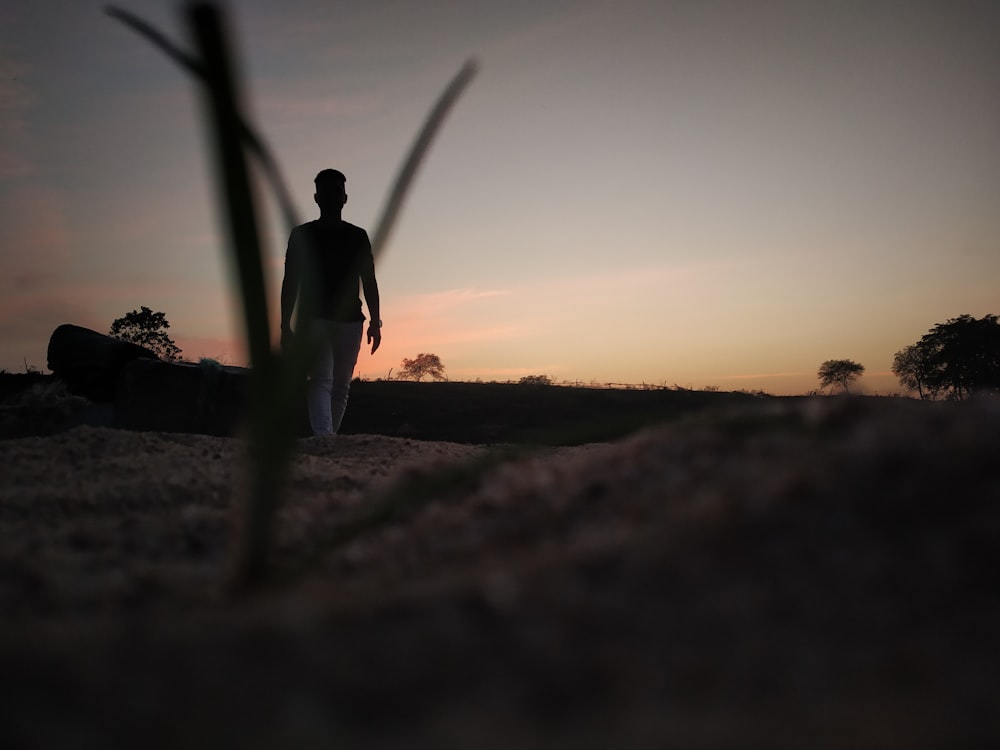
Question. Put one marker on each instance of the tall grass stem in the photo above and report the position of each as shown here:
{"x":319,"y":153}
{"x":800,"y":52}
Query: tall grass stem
{"x":277,"y":383}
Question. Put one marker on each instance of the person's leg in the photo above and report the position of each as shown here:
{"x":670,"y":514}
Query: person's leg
{"x":346,"y":345}
{"x":321,"y":379}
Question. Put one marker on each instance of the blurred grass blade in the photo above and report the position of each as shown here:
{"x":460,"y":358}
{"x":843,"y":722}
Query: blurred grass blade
{"x":277,"y":385}
{"x":271,"y":433}
{"x":271,"y":413}
{"x":254,"y":143}
{"x":222,"y":105}
{"x":418,"y":150}
{"x":159,"y":40}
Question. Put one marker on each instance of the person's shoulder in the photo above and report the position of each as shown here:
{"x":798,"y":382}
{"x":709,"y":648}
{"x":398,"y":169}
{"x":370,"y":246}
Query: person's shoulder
{"x":356,"y":232}
{"x":354,"y":228}
{"x":308,"y":226}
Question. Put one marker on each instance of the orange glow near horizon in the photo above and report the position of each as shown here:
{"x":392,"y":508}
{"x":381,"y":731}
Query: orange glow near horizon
{"x":668,"y":209}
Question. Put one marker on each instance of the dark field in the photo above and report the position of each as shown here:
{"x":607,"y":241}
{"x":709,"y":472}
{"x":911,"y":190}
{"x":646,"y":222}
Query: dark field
{"x":487,"y":413}
{"x":480,"y":413}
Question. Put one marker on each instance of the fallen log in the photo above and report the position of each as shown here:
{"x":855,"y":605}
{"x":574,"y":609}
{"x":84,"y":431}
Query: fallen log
{"x":91,"y":363}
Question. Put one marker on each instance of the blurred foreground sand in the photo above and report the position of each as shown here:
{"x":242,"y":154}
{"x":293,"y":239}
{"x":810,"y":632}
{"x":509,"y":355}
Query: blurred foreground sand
{"x":816,"y":574}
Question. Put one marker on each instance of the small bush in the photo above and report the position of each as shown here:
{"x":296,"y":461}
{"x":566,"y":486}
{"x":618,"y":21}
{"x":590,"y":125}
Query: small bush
{"x":535,"y":380}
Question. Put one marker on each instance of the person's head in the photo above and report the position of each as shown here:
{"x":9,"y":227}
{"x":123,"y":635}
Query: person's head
{"x":331,"y":191}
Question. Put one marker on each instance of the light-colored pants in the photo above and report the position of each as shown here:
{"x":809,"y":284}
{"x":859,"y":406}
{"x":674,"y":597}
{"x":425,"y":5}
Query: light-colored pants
{"x":330,"y":376}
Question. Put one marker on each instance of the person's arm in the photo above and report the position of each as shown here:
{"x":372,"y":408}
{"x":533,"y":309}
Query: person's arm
{"x":370,"y":286}
{"x":289,"y":289}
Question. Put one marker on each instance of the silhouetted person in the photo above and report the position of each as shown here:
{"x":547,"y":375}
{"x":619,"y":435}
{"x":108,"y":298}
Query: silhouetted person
{"x":323,"y":264}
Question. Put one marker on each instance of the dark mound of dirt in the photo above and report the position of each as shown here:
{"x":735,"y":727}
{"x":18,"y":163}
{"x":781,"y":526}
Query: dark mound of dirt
{"x":818,"y":573}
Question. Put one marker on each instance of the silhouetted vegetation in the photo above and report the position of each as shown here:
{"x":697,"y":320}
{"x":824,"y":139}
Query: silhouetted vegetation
{"x":535,"y":380}
{"x":840,"y":372}
{"x":422,"y":365}
{"x":954,"y":360}
{"x":146,"y":328}
{"x":910,"y":367}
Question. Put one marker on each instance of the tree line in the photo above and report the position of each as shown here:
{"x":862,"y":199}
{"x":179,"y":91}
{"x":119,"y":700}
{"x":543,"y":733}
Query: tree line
{"x":953,"y":360}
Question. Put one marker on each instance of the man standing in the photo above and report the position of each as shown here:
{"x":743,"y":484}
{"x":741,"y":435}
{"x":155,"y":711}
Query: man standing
{"x":323,"y":264}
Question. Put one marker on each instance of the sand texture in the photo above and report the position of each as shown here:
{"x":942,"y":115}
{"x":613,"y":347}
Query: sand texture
{"x":822,"y":573}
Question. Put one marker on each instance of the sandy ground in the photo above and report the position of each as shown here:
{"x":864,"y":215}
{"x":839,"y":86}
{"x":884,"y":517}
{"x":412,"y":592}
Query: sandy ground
{"x":823,"y":574}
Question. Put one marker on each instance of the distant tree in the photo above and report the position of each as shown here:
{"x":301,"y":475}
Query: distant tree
{"x":910,"y":365}
{"x":146,"y":328}
{"x":535,"y":380}
{"x":840,"y":372}
{"x":421,"y":365}
{"x":955,"y":359}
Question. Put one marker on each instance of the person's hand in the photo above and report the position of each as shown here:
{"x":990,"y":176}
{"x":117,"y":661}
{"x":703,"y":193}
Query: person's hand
{"x":286,"y":339}
{"x":374,"y":335}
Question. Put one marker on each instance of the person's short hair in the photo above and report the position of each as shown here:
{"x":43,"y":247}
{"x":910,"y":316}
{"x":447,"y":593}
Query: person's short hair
{"x":328,"y":176}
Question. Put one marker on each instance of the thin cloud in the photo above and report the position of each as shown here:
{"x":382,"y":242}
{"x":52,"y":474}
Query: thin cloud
{"x":436,"y":303}
{"x":450,"y":317}
{"x":635,"y":277}
{"x":475,"y":334}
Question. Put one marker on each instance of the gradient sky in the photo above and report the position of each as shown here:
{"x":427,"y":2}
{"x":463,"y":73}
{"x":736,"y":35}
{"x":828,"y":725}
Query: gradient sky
{"x":671,"y":192}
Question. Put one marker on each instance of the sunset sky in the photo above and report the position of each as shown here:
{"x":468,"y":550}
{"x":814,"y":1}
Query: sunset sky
{"x":691,"y":192}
